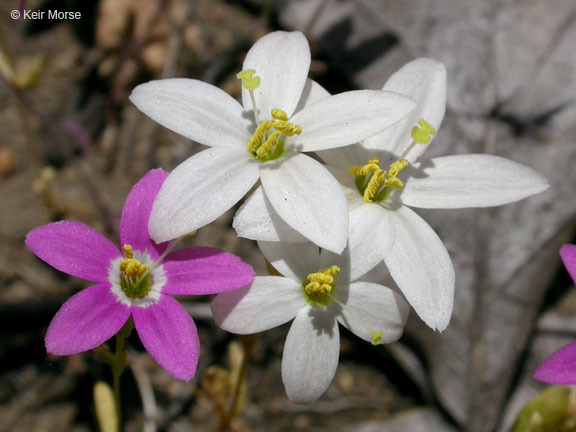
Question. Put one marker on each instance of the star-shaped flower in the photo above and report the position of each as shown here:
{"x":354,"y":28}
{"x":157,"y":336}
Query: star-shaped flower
{"x":318,"y":290}
{"x":560,"y":367}
{"x":382,"y":180}
{"x":281,"y":117}
{"x":137,"y":283}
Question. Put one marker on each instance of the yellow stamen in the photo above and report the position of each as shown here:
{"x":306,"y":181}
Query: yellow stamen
{"x":258,"y":136}
{"x":375,"y":178}
{"x":128,"y":251}
{"x":393,"y":171}
{"x":371,"y":166}
{"x":278,"y":114}
{"x":266,"y":143}
{"x":132,"y":274}
{"x":321,"y":283}
{"x":269,"y":144}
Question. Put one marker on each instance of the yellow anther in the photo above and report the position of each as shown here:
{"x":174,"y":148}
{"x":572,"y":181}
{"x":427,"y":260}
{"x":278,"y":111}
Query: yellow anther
{"x":286,"y":128}
{"x":278,"y":114}
{"x":422,"y":134}
{"x":377,"y":179}
{"x":135,"y":280}
{"x":258,"y":136}
{"x":371,"y":178}
{"x":130,"y":267}
{"x":371,"y":166}
{"x":396,"y":167}
{"x":376,"y":337}
{"x":128,"y":251}
{"x":393,"y":170}
{"x":269,"y":144}
{"x":266,"y":143}
{"x":249,"y":81}
{"x":394,"y":182}
{"x":321,"y":283}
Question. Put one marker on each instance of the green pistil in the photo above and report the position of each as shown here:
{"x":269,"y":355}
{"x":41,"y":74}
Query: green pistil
{"x":136,"y":288}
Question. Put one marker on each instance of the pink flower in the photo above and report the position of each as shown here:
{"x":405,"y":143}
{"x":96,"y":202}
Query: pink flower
{"x":135,"y":283}
{"x":560,"y":367}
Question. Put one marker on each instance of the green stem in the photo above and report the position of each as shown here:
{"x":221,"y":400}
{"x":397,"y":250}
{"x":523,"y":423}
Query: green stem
{"x":117,"y":372}
{"x":118,"y":364}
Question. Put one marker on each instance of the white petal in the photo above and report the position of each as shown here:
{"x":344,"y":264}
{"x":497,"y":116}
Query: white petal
{"x":421,"y":266}
{"x":257,"y":220}
{"x":475,"y":180}
{"x":310,"y":355}
{"x":199,"y":190}
{"x":342,"y":260}
{"x":372,"y":308}
{"x":347,"y":118}
{"x":293,"y":260}
{"x":345,"y":157}
{"x":370,"y":238}
{"x":282,"y":61}
{"x":196,"y":110}
{"x":269,"y":302}
{"x":355,"y":155}
{"x":354,"y":198}
{"x":312,"y":93}
{"x":309,"y":199}
{"x":424,"y":80}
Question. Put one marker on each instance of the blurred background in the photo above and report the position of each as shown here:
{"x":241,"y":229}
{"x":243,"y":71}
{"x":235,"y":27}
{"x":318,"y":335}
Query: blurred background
{"x":72,"y":145}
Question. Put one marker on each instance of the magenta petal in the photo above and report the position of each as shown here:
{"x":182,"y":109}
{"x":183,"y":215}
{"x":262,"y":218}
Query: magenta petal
{"x":560,"y":367}
{"x":568,"y":255}
{"x":200,"y":271}
{"x":169,"y":335}
{"x":85,"y":321}
{"x":74,"y":248}
{"x":136,"y":213}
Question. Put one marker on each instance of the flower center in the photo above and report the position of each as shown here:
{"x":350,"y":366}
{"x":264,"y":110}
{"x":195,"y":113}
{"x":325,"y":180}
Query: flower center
{"x":318,"y":289}
{"x":319,"y":285}
{"x":135,"y":280}
{"x":375,"y":184}
{"x":267,"y":142}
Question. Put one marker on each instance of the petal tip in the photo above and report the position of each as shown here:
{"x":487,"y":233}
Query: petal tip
{"x":548,"y":372}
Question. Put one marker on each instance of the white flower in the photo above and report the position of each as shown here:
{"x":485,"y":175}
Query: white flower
{"x":379,"y":196}
{"x":289,"y":119}
{"x":318,"y":290}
